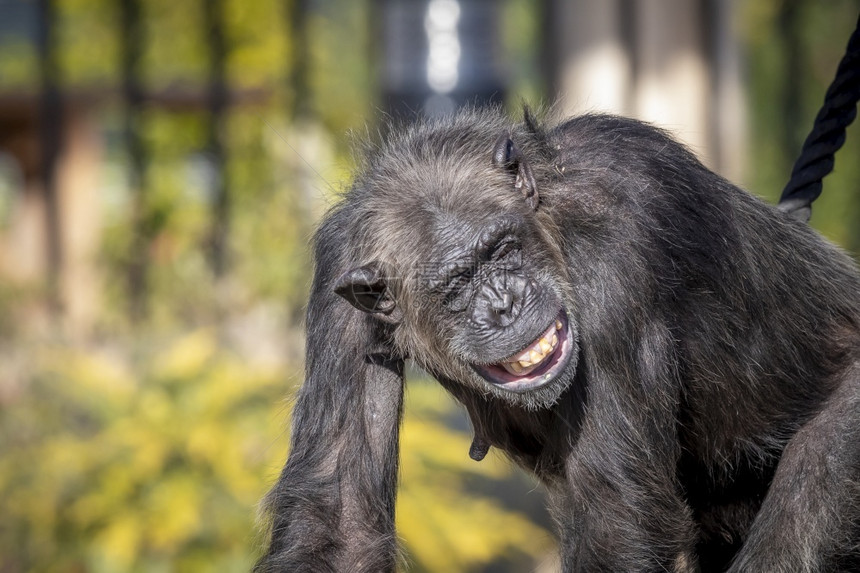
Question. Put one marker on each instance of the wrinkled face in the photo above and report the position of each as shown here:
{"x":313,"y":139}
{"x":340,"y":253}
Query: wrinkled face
{"x":492,"y":304}
{"x":472,"y":283}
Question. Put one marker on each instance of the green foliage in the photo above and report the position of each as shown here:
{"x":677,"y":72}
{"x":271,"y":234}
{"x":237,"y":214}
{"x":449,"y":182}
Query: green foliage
{"x":146,"y":463}
{"x":340,"y":72}
{"x":274,"y":215}
{"x":176,"y":43}
{"x":88,"y":32}
{"x":259,"y":48}
{"x":17,"y":64}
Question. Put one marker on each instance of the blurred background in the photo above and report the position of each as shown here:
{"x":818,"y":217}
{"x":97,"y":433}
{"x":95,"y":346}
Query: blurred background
{"x":162,"y":166}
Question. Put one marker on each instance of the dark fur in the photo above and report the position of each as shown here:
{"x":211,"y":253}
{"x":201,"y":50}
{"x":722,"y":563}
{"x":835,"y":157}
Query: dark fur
{"x":711,"y":416}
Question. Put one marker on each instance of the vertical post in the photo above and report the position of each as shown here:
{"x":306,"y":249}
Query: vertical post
{"x":219,"y":236}
{"x":50,"y":132}
{"x":138,"y":262}
{"x":549,"y":54}
{"x":788,"y":26}
{"x":727,"y":108}
{"x":594,"y":66}
{"x":673,"y":80}
{"x":297,"y":16}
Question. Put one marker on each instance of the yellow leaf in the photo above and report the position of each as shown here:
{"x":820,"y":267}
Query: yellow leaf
{"x":118,"y":543}
{"x":187,"y":357}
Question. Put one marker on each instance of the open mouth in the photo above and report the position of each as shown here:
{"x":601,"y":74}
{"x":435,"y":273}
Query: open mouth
{"x":538,"y":364}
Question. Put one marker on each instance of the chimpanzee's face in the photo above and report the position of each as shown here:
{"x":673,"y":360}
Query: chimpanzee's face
{"x":464,"y":269}
{"x":489,"y":299}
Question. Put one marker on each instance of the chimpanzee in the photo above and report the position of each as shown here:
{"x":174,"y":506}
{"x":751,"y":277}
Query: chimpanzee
{"x":677,"y":361}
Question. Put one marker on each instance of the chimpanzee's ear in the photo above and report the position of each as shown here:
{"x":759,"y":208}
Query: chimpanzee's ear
{"x":366,"y":288}
{"x":507,"y":155}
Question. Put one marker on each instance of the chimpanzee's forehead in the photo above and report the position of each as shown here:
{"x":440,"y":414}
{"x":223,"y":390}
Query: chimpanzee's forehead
{"x":451,"y":238}
{"x":470,"y":235}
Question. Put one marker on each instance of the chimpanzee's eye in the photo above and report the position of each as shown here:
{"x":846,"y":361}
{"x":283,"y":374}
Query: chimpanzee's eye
{"x":507,"y":253}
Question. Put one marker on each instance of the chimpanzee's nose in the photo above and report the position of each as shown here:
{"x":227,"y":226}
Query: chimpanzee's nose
{"x":500,"y":305}
{"x":502,"y":302}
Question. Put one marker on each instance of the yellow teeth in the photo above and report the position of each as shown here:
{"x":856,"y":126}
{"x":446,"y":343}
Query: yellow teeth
{"x":526,"y":361}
